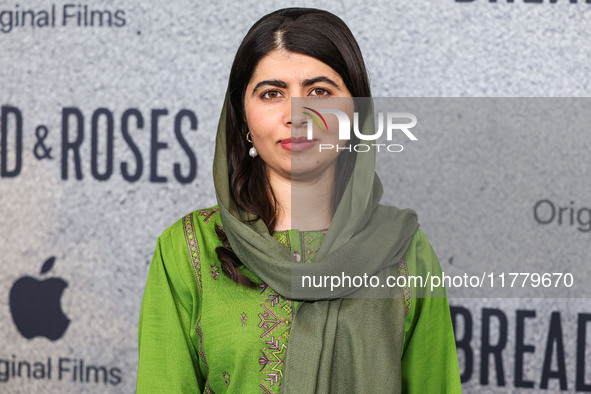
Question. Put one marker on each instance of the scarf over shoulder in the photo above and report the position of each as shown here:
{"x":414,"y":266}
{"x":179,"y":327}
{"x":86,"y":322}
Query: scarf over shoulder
{"x":338,"y":344}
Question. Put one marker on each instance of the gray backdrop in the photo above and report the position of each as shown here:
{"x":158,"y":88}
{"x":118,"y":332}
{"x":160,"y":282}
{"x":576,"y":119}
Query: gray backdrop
{"x":66,"y":83}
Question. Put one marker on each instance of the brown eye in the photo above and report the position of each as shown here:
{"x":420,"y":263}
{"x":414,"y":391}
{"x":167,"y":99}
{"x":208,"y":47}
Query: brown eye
{"x":271,"y":94}
{"x":320,"y":92}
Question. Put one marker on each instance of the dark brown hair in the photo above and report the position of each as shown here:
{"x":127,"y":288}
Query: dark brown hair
{"x":308,"y":31}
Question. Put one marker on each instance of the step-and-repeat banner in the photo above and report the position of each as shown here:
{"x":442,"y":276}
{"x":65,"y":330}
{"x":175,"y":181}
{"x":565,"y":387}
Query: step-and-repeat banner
{"x":108,"y":114}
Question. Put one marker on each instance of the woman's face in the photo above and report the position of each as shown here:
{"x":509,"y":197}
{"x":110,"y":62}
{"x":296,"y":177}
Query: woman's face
{"x":279,"y":135}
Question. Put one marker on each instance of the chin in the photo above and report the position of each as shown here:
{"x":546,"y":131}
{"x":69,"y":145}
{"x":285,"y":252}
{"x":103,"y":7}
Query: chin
{"x":307,"y":173}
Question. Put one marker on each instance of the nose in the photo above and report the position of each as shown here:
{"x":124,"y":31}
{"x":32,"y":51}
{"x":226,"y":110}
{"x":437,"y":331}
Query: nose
{"x":297,"y":118}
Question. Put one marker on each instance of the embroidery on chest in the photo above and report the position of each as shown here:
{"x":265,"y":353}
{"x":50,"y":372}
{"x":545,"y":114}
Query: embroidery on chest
{"x":275,"y":323}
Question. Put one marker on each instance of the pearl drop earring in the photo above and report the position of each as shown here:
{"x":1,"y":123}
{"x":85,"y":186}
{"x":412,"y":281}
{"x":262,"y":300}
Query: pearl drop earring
{"x":252,"y":151}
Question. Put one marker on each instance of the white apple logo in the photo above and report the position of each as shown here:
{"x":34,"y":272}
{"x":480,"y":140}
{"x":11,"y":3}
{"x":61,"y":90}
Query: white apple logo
{"x":35,"y":305}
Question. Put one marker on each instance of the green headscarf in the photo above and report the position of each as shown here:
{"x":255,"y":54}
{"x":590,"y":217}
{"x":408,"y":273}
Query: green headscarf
{"x":336,"y":345}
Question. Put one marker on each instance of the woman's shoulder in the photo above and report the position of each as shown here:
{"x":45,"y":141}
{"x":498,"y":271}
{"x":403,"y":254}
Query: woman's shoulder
{"x":202,"y":220}
{"x":419,"y":239}
{"x":184,"y":244}
{"x":420,"y":255}
{"x":421,"y":262}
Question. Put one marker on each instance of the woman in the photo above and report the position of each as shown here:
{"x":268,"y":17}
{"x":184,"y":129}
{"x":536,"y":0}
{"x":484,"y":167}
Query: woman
{"x":222,"y":311}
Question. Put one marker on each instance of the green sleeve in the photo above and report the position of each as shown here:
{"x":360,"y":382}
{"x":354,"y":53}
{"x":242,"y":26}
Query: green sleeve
{"x":168,"y":360}
{"x":429,"y":359}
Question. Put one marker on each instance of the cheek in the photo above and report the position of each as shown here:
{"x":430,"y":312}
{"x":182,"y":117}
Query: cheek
{"x":333,"y":127}
{"x":332,"y":133}
{"x":260,"y":119}
{"x":253,"y":118}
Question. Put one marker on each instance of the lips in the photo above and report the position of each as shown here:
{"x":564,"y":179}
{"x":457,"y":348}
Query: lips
{"x":297,"y":144}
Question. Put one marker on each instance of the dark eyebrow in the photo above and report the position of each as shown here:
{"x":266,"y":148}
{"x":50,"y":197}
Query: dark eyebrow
{"x":272,"y":82}
{"x":305,"y":82}
{"x":312,"y":81}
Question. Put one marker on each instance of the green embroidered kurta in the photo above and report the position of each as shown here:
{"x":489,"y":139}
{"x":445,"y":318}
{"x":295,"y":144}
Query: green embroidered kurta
{"x":201,"y":332}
